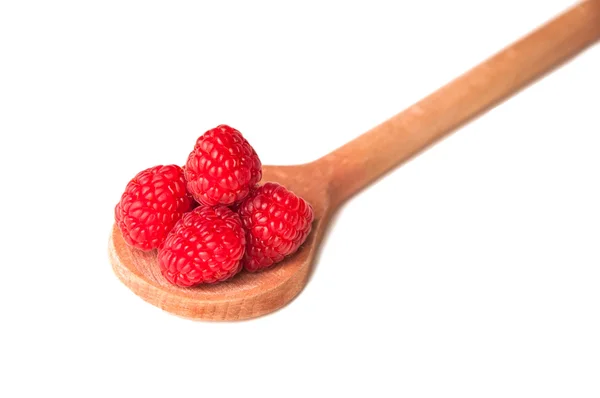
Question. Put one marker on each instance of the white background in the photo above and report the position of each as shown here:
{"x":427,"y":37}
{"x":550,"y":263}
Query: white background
{"x":471,"y":271}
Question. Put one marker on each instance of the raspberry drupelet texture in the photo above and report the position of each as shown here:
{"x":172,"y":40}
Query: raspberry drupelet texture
{"x":153,"y":201}
{"x":277,"y":222}
{"x":222,"y":168}
{"x":205,"y":246}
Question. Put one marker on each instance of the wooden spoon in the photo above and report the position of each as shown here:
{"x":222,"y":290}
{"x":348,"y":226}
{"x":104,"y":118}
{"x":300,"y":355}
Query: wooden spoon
{"x":331,"y":180}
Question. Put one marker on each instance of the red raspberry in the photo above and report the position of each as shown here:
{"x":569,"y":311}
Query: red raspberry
{"x":277,"y":222}
{"x":205,"y":246}
{"x":222,"y":167}
{"x":153,"y":201}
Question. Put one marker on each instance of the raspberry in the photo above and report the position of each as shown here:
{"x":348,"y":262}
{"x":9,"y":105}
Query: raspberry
{"x":222,"y":167}
{"x":205,"y":246}
{"x":153,"y":201}
{"x":277,"y":222}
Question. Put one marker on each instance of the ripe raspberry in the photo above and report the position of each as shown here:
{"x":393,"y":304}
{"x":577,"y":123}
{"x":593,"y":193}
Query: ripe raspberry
{"x":153,"y":201}
{"x":205,"y":246}
{"x":277,"y":222}
{"x":222,"y":167}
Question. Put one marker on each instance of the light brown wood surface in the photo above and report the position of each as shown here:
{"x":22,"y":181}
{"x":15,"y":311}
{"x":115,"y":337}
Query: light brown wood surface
{"x":329,"y":181}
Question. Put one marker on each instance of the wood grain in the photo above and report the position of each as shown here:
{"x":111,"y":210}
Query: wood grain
{"x":329,"y":181}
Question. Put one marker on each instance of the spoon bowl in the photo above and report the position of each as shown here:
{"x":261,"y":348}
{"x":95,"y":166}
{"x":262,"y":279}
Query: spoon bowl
{"x":247,"y":295}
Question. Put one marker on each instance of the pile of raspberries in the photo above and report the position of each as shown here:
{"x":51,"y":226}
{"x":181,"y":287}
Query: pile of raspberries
{"x":210,"y":219}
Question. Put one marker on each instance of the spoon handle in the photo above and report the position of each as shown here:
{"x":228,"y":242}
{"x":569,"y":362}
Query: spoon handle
{"x":368,"y":157}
